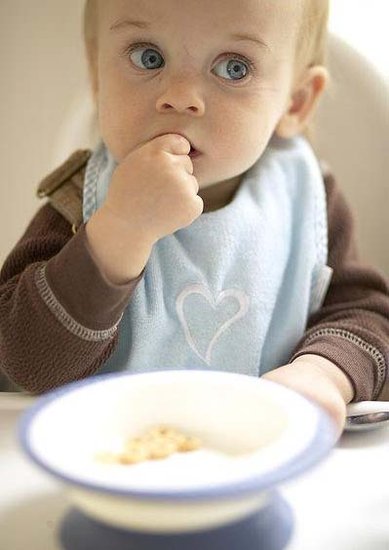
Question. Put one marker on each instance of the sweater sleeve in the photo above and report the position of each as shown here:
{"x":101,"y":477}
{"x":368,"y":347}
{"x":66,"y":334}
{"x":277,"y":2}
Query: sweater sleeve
{"x":58,"y":315}
{"x":352,"y":327}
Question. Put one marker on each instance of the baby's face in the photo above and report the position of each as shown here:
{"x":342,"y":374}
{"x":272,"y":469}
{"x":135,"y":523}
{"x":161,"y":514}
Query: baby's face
{"x":188,"y":67}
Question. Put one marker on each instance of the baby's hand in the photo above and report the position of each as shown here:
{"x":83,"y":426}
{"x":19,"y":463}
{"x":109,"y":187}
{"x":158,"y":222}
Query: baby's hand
{"x":153,"y":190}
{"x":319,"y":380}
{"x":153,"y":193}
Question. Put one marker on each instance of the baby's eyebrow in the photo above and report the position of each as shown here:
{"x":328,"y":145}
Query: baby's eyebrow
{"x":250,"y":38}
{"x":125,"y":23}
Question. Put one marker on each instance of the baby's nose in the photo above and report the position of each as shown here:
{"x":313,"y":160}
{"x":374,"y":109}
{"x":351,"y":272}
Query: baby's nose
{"x":183,"y":98}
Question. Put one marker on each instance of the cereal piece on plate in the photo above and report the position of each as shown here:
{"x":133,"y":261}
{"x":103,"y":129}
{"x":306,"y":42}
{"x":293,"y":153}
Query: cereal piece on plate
{"x":189,"y":444}
{"x":134,"y":454}
{"x":158,"y":442}
{"x":161,"y":448}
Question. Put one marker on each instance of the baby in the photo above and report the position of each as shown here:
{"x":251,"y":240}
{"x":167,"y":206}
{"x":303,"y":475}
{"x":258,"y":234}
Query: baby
{"x":201,"y":232}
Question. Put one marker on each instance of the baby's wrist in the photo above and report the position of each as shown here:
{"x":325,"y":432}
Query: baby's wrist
{"x":120,"y":254}
{"x":123,"y":229}
{"x":331,"y":371}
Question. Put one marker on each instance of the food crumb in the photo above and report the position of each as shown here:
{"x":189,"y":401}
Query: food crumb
{"x":157,"y":443}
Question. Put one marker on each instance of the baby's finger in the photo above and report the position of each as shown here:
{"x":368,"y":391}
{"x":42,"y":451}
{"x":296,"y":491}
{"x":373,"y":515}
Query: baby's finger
{"x":187,"y":163}
{"x":173,"y":143}
{"x":194,"y":183}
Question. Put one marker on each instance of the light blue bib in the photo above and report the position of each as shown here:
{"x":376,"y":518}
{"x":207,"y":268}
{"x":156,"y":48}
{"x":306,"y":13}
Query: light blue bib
{"x":233,"y":291}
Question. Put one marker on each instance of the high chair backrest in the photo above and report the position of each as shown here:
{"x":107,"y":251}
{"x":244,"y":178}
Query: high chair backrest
{"x":353,"y":137}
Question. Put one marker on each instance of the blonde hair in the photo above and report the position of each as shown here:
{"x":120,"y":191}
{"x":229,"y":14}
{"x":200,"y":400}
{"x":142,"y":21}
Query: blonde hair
{"x":312,"y":42}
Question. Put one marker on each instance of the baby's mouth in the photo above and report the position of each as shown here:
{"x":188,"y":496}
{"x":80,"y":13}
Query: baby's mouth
{"x":193,"y":152}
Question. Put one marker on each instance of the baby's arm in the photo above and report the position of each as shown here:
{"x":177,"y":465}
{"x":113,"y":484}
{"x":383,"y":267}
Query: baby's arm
{"x":58,"y":314}
{"x":62,"y":296}
{"x":344,"y":354}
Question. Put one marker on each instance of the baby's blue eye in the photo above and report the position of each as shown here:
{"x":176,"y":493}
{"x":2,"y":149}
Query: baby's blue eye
{"x":235,"y":69}
{"x":147,"y":58}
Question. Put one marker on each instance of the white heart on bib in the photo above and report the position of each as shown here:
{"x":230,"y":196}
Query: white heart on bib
{"x":214,"y":303}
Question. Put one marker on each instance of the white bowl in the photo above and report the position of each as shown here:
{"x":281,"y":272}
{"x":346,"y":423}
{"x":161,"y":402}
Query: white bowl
{"x":254,"y":433}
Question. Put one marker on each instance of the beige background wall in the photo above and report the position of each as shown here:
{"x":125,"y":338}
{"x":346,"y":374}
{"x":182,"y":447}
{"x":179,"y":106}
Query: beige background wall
{"x":43,"y":73}
{"x":41,"y":66}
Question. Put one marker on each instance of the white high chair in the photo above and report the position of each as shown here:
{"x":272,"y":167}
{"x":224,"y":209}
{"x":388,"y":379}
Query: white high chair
{"x":352,"y":136}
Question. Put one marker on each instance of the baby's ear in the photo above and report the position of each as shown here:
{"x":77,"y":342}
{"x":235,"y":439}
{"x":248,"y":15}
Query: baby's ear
{"x":303,"y":102}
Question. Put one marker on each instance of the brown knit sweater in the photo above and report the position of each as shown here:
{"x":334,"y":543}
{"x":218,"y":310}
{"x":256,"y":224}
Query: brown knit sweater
{"x":59,"y":315}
